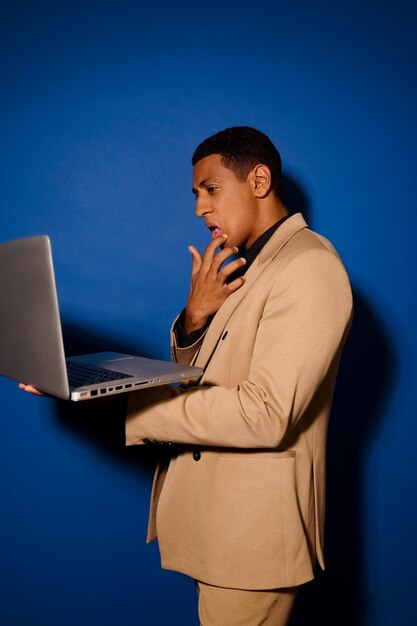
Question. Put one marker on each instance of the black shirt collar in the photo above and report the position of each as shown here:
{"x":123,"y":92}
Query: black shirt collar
{"x":251,"y":253}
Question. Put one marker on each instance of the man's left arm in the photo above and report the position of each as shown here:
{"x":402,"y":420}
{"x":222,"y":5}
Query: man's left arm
{"x":298,"y":339}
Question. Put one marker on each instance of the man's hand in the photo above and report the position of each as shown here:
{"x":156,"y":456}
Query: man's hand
{"x":31,"y":389}
{"x":208,"y":282}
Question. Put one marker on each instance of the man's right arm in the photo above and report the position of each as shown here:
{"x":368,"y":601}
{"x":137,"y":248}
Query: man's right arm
{"x":208,"y":291}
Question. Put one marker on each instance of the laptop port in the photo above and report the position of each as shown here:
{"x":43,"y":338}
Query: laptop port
{"x":94,"y":392}
{"x":119,"y":387}
{"x":103,"y":390}
{"x":128,"y":385}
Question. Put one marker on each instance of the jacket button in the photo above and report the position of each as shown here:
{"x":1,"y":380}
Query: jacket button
{"x":196,"y":455}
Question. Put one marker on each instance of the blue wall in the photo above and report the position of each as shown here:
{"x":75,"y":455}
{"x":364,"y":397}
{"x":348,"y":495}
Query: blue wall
{"x":102,"y":104}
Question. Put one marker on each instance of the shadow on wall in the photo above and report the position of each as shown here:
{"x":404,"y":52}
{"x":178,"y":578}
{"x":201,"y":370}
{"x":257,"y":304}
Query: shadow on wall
{"x":294,"y":197}
{"x":365,"y":379}
{"x":101,"y":422}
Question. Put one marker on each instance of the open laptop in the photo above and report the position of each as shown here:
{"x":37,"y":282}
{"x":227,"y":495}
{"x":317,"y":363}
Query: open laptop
{"x":31,"y":344}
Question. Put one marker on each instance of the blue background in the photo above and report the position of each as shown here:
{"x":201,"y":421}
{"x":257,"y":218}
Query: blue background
{"x":102,"y":104}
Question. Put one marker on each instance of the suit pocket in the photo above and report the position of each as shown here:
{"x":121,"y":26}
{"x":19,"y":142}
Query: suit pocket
{"x":257,"y":518}
{"x":238,"y":453}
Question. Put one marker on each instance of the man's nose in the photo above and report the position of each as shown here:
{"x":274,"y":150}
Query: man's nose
{"x":202,"y":207}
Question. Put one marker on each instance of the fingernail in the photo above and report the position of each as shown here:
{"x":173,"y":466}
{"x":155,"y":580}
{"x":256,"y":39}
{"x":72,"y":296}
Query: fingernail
{"x":225,"y":236}
{"x":242,"y":259}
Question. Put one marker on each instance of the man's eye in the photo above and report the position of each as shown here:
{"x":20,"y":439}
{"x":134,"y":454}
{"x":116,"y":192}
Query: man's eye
{"x":212,"y":189}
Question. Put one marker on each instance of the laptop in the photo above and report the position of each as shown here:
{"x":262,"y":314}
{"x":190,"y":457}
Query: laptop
{"x":31,"y":344}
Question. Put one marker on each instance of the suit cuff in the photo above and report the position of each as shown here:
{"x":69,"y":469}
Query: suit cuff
{"x":184,"y":339}
{"x":185,"y":355}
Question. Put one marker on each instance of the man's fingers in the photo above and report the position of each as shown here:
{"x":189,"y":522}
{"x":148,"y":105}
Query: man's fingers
{"x":31,"y":389}
{"x":196,"y":260}
{"x":210,"y":250}
{"x":232,"y":267}
{"x":224,"y":254}
{"x":235,"y":284}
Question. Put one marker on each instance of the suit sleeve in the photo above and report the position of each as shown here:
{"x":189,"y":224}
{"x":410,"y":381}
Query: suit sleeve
{"x":300,"y":334}
{"x":185,"y":354}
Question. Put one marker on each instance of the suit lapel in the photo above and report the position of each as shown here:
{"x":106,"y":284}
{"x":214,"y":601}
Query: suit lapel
{"x":291,"y":226}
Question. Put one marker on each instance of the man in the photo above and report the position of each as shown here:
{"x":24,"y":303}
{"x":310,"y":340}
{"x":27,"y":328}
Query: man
{"x":239,"y":503}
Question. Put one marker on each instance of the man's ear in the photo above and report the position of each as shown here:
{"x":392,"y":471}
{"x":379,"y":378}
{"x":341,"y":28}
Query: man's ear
{"x":261,"y":180}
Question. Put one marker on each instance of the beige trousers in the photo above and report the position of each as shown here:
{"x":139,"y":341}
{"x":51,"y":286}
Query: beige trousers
{"x":236,"y":607}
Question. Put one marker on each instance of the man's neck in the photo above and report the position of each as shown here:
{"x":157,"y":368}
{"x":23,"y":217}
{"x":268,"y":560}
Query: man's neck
{"x":268,"y":216}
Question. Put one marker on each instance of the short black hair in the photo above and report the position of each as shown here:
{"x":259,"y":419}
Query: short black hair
{"x":241,"y":148}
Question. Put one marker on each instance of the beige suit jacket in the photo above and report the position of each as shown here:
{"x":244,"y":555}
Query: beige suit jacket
{"x":248,"y":513}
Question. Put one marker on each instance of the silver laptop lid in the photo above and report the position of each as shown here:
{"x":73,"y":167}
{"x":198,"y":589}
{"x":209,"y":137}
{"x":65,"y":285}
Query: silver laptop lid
{"x":31,"y":345}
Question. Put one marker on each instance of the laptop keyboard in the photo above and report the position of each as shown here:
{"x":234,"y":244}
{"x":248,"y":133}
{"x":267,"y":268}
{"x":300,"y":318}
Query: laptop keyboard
{"x":80,"y":374}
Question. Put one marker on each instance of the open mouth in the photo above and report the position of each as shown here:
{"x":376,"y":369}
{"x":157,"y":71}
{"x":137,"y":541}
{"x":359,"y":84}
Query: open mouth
{"x":215,"y":230}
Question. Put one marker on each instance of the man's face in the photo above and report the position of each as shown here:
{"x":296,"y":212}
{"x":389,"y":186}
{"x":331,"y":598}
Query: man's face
{"x":227,"y":205}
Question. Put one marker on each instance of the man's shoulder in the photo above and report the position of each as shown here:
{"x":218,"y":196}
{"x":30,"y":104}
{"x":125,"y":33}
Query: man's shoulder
{"x":306,"y":244}
{"x":307,"y":259}
{"x":307,"y":239}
